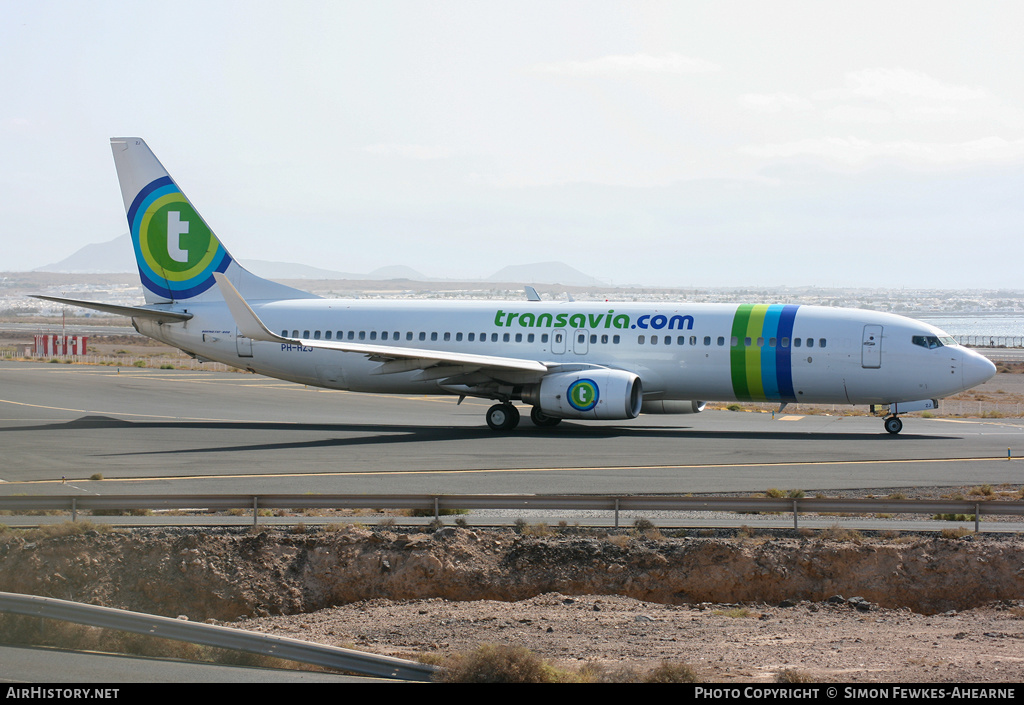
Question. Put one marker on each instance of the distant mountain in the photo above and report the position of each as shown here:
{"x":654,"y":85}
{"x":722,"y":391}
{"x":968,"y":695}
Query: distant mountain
{"x":113,"y":257}
{"x":544,"y":273}
{"x":398,"y":271}
{"x":117,"y":256}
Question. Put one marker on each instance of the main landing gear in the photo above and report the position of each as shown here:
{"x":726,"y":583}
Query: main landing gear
{"x":893,"y":424}
{"x":505,"y":417}
{"x":502,"y":417}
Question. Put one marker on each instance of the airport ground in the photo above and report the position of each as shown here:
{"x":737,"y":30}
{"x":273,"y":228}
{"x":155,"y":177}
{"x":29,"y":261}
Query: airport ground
{"x":149,"y":430}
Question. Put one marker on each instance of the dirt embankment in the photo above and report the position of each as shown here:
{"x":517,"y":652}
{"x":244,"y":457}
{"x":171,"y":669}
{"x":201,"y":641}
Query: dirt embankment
{"x":225,"y":575}
{"x":741,"y":609}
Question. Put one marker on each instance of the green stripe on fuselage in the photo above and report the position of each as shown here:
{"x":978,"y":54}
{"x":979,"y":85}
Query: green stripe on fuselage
{"x":737,"y":353}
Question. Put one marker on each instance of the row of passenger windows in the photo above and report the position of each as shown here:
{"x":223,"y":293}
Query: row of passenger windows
{"x":531,"y":337}
{"x":422,"y":336}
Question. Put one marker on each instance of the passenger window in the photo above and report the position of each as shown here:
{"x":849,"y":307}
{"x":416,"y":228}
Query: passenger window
{"x":384,"y":335}
{"x":593,"y":338}
{"x":423,"y":336}
{"x":433,"y":336}
{"x":316,"y":335}
{"x":284,"y":334}
{"x":747,"y":342}
{"x":447,"y":336}
{"x":772,"y":342}
{"x":505,"y":338}
{"x":760,"y":342}
{"x":529,"y":338}
{"x":785,"y":342}
{"x":327,"y":335}
{"x":796,"y":342}
{"x":373,"y":335}
{"x":693,"y":340}
{"x":810,"y":342}
{"x":654,"y":340}
{"x":640,"y":340}
{"x":721,"y":341}
{"x":707,"y":340}
{"x":519,"y":337}
{"x":681,"y":340}
{"x":408,"y":335}
{"x":604,"y":339}
{"x":543,"y":337}
{"x":305,"y":334}
{"x":558,"y":337}
{"x":615,"y":340}
{"x":494,"y":337}
{"x":821,"y":342}
{"x":471,"y":337}
{"x":458,"y":337}
{"x":362,"y":335}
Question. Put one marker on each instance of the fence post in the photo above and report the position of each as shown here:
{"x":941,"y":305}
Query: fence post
{"x":616,"y":512}
{"x":255,"y":509}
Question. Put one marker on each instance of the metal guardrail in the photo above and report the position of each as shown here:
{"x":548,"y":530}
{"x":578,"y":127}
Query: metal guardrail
{"x":991,"y":341}
{"x":213,"y":635}
{"x":436,"y":504}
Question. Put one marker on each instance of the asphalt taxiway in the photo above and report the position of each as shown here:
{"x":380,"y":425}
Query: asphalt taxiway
{"x":176,"y":431}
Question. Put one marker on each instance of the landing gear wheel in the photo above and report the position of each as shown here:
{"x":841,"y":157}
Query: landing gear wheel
{"x":541,"y":419}
{"x":502,"y":417}
{"x":893,"y":424}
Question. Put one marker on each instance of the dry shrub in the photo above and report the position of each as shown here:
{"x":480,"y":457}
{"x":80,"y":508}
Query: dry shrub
{"x":497,"y":664}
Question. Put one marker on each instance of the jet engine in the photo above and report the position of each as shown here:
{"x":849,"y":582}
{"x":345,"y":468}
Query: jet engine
{"x":588,"y":394}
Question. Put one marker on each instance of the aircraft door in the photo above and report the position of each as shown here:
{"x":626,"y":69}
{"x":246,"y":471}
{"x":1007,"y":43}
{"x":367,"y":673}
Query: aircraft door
{"x":558,"y":341}
{"x":580,"y":345}
{"x":243,"y":345}
{"x":871,"y":347}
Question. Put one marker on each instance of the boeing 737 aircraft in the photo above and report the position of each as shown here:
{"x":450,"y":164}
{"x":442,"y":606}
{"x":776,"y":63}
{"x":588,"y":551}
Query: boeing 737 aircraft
{"x":567,"y":360}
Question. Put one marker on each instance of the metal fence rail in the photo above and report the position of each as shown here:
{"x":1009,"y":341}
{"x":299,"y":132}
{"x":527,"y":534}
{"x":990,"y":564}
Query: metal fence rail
{"x":436,"y":504}
{"x":991,"y":341}
{"x":213,"y":635}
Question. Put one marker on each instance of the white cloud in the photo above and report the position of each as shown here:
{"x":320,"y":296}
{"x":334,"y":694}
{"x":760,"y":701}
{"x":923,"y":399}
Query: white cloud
{"x":617,"y":65}
{"x":889,"y":84}
{"x":858,"y":152}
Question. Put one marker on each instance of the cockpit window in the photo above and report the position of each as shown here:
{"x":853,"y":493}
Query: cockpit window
{"x":927,"y":341}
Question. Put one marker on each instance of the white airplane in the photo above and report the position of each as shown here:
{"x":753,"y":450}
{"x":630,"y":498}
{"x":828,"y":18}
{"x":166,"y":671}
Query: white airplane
{"x":567,"y":360}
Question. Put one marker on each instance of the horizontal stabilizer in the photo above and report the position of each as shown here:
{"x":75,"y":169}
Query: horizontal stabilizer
{"x":155,"y":314}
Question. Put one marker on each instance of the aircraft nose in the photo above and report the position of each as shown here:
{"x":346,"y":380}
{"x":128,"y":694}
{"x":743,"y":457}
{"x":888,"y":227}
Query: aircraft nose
{"x":976,"y":368}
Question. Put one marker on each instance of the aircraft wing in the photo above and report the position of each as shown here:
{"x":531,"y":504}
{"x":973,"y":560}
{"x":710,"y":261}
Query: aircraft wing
{"x":394,"y":357}
{"x":158,"y":315}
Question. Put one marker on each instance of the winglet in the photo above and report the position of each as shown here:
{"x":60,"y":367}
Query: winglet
{"x":249,"y":324}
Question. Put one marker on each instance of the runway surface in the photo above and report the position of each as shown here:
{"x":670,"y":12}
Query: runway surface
{"x":175,"y":431}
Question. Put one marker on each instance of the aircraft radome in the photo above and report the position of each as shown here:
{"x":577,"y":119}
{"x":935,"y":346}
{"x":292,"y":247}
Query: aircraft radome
{"x":566,"y":359}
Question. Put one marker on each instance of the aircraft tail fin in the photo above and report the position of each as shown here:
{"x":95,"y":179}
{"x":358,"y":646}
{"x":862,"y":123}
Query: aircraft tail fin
{"x":175,"y":249}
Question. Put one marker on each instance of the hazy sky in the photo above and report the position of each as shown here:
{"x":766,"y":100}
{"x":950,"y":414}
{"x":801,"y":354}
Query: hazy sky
{"x":678,"y":143}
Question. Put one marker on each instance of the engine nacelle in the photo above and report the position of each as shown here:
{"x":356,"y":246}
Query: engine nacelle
{"x":589,"y":394}
{"x":674,"y":406}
